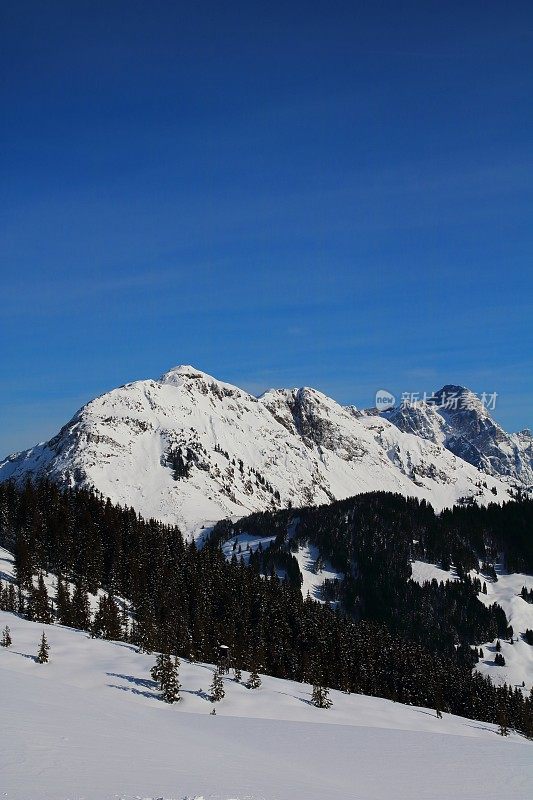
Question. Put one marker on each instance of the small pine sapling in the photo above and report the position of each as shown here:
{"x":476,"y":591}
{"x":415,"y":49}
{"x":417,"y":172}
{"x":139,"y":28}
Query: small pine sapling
{"x":217,"y":688}
{"x":6,"y":640}
{"x":254,"y":681}
{"x":170,"y":685}
{"x":44,"y":650}
{"x":320,"y":697}
{"x":157,"y":669}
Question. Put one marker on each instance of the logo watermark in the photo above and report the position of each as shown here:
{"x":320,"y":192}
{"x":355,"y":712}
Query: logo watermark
{"x":384,"y":400}
{"x":449,"y":400}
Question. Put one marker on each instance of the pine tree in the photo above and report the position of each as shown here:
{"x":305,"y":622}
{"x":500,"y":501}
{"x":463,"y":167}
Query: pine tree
{"x":124,"y":622}
{"x":44,"y":649}
{"x":170,"y":686}
{"x":238,"y":674}
{"x":254,"y":681}
{"x":106,"y":623}
{"x":158,"y":669}
{"x":39,"y":603}
{"x":6,"y":640}
{"x":11,"y":597}
{"x":63,"y":603}
{"x":20,"y":604}
{"x":145,"y":632}
{"x":503,"y":729}
{"x":23,"y":561}
{"x":320,"y":697}
{"x":438,"y":701}
{"x":217,"y":687}
{"x":80,"y":608}
{"x":165,"y":673}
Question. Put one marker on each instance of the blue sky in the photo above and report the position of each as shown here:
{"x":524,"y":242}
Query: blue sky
{"x":329,"y":194}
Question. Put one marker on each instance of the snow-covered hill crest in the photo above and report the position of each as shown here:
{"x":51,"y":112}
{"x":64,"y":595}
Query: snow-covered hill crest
{"x":190,"y":449}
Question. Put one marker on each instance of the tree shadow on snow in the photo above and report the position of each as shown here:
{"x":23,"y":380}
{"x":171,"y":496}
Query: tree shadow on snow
{"x":480,"y":727}
{"x":198,"y":692}
{"x":131,"y":647}
{"x":148,"y":685}
{"x":295,"y":697}
{"x":149,"y":695}
{"x":25,"y":655}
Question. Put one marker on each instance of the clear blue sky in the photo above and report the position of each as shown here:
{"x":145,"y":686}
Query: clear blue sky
{"x":320,"y":193}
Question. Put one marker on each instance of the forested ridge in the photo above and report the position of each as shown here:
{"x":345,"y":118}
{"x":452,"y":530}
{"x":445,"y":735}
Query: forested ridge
{"x":371,"y":539}
{"x":187,"y":601}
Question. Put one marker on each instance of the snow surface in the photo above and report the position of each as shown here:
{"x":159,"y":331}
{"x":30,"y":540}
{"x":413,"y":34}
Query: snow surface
{"x":519,"y":655}
{"x":308,"y":448}
{"x":248,"y":544}
{"x":312,"y":580}
{"x":306,"y":556}
{"x":89,"y":726}
{"x":423,"y":571}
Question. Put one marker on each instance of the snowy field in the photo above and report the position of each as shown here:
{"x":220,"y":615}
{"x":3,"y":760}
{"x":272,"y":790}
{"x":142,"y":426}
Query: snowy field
{"x":90,"y":726}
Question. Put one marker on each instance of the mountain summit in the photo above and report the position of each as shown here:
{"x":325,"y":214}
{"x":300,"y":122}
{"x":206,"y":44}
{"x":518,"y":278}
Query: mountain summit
{"x":456,"y":418}
{"x":190,"y":449}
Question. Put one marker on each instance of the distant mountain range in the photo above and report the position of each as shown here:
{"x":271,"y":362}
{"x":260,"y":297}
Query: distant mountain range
{"x":190,"y":449}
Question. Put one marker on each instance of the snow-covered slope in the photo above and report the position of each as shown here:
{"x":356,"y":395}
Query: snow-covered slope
{"x":189,"y":449}
{"x":90,"y":725}
{"x":518,"y":655}
{"x":505,"y":592}
{"x":457,"y":419}
{"x":313,"y":569}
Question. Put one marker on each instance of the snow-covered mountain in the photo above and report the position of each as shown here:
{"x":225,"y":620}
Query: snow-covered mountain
{"x":190,"y":449}
{"x":464,"y":426}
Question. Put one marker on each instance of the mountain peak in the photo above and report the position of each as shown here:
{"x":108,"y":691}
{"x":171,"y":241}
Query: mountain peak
{"x":459,"y":419}
{"x":184,"y":371}
{"x":453,"y":398}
